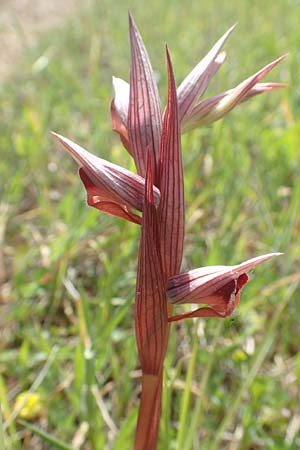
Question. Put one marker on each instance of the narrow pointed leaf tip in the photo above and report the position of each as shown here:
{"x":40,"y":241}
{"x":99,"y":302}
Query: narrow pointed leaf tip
{"x":144,"y":115}
{"x":196,"y":83}
{"x":216,"y":286}
{"x":109,"y":187}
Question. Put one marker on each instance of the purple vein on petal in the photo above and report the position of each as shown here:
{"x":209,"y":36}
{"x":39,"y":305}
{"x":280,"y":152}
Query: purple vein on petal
{"x":202,"y":112}
{"x":195,"y":84}
{"x":243,"y":88}
{"x":214,"y":108}
{"x":197,"y":285}
{"x":171,"y":209}
{"x":144,"y":118}
{"x":123,"y":185}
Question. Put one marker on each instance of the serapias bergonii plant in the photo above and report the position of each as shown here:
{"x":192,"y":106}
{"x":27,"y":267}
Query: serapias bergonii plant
{"x":154,"y":199}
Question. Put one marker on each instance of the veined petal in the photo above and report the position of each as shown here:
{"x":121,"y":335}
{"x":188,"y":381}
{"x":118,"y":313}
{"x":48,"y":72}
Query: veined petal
{"x":171,"y":209}
{"x":144,"y":117}
{"x":223,"y":302}
{"x":150,"y":302}
{"x":99,"y":198}
{"x":120,"y":102}
{"x":217,"y":286}
{"x":195,"y":84}
{"x":204,"y":312}
{"x":119,"y":110}
{"x":214,"y":108}
{"x":113,"y":183}
{"x":200,"y":114}
{"x":260,"y":88}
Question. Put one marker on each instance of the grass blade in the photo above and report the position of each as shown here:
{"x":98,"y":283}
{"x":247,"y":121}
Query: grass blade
{"x":196,"y":417}
{"x":56,"y":443}
{"x":184,"y":413}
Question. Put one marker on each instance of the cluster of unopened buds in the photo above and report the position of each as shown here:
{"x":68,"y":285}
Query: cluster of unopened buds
{"x":154,"y":199}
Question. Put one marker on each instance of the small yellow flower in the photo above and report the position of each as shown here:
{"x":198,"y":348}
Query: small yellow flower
{"x":239,"y":355}
{"x":28,"y":405}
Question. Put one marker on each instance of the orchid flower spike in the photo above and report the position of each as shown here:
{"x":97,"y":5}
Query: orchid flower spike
{"x":154,"y":198}
{"x":140,"y":100}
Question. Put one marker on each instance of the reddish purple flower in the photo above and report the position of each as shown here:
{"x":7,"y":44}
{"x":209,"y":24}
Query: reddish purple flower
{"x":153,"y":139}
{"x":192,"y":113}
{"x":214,"y":108}
{"x":217,"y":286}
{"x":109,"y":187}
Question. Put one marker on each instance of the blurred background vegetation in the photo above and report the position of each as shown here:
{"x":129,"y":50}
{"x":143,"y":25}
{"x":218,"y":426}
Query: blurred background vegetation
{"x":68,"y":361}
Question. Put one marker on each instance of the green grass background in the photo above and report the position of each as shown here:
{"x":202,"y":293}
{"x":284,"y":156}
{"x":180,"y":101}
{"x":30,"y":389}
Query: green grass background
{"x":67,"y":328}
